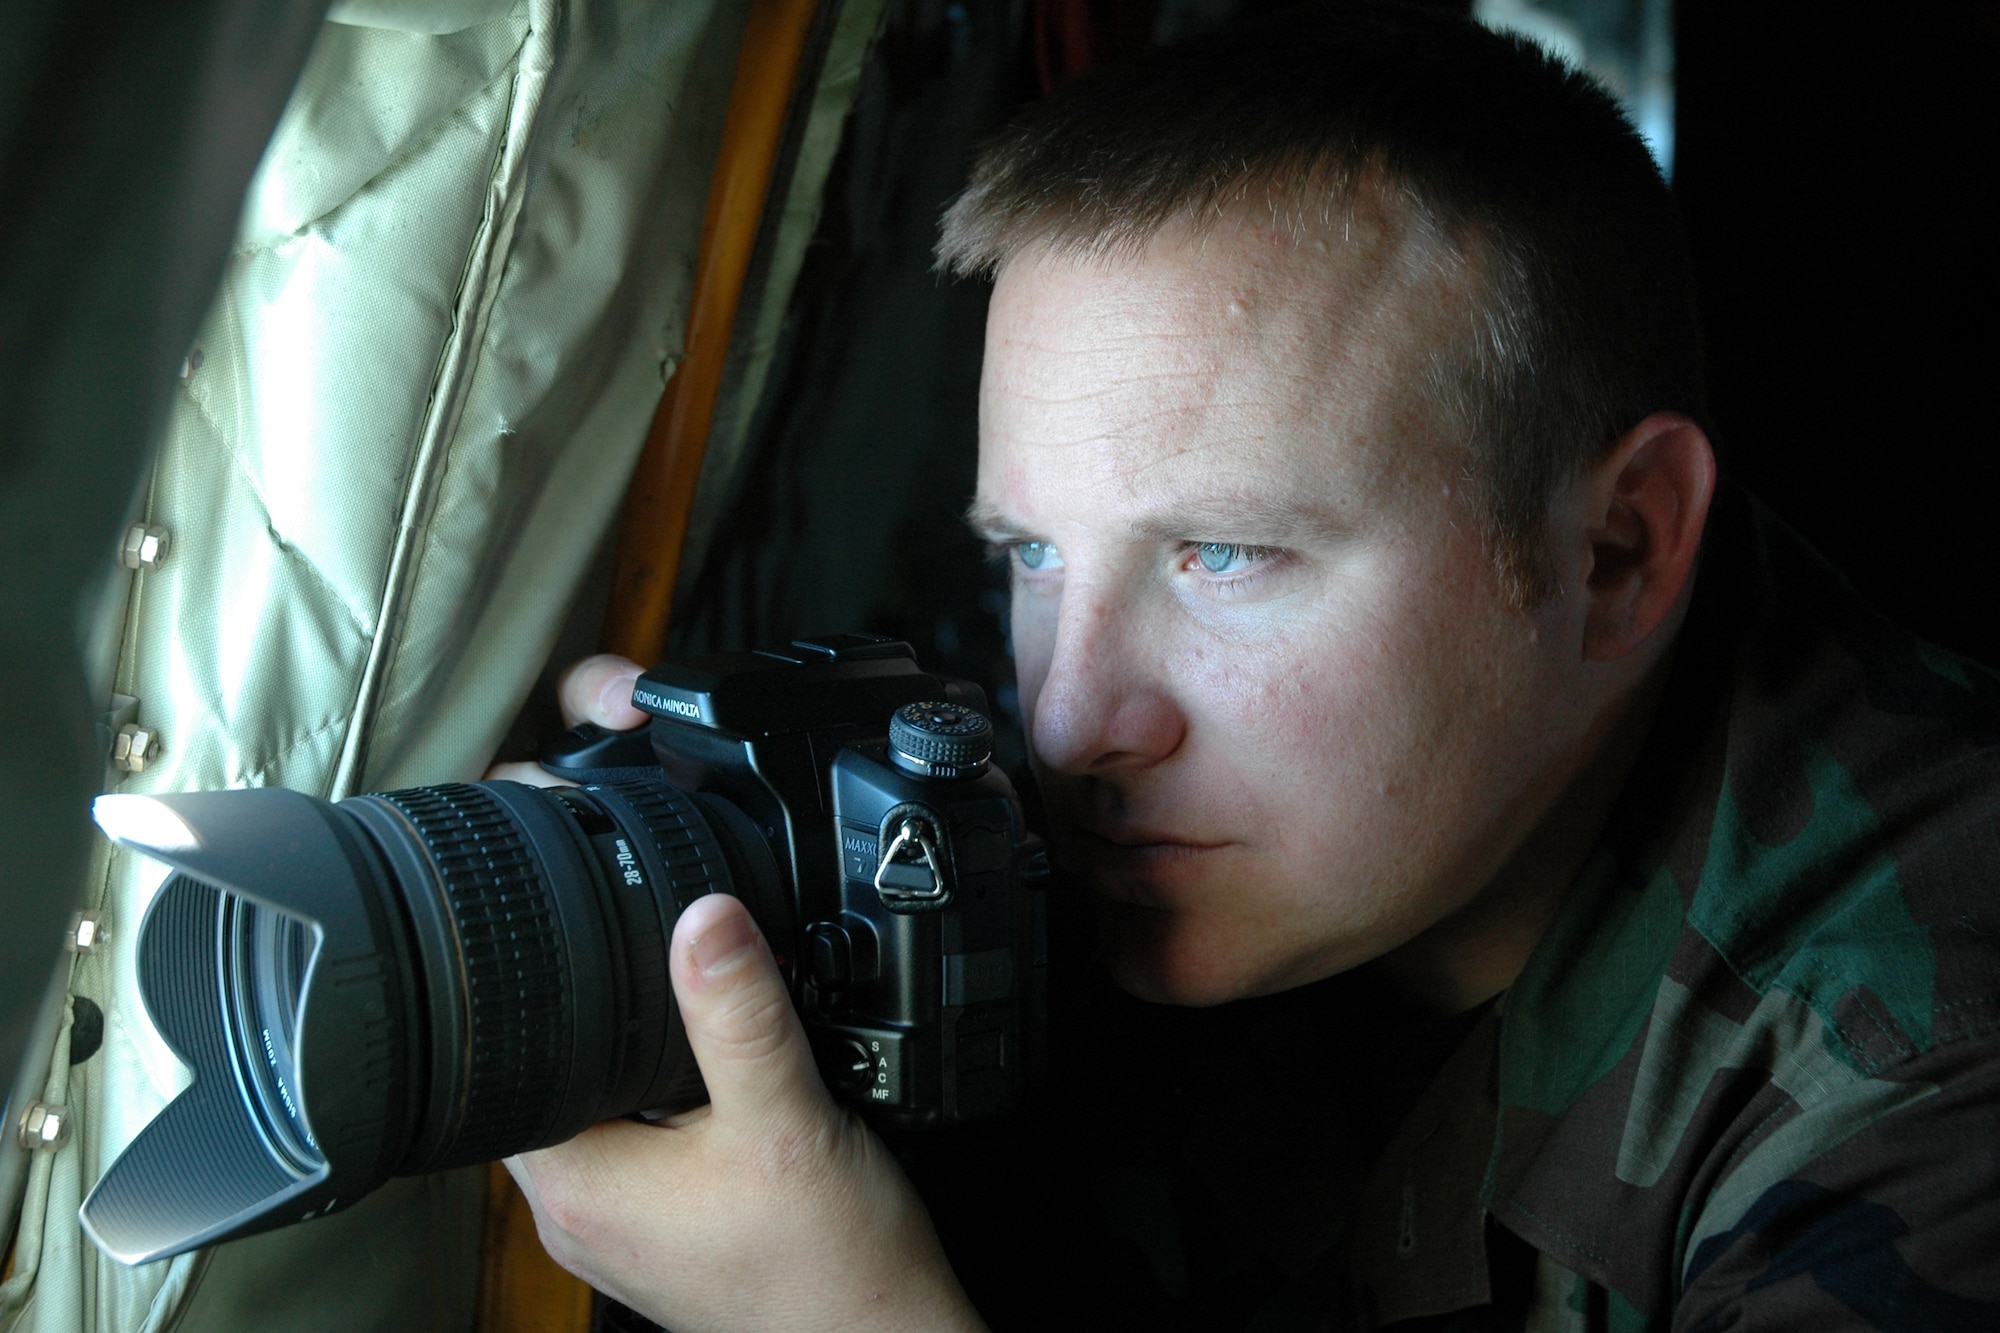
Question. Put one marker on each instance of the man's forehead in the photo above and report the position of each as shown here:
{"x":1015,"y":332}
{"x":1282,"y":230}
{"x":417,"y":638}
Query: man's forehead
{"x":1213,"y":367}
{"x":1343,"y":252}
{"x":1258,"y":301}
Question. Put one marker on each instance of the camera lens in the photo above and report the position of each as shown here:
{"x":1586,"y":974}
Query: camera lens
{"x":408,"y":981}
{"x":540,"y":920}
{"x":503,"y":953}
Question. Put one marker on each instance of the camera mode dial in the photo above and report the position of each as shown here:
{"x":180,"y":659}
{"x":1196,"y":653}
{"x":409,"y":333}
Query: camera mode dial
{"x":940,"y":740}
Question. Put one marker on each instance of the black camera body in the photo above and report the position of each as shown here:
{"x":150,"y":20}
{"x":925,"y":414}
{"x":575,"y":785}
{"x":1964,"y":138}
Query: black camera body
{"x":915,"y":965}
{"x":407,"y":981}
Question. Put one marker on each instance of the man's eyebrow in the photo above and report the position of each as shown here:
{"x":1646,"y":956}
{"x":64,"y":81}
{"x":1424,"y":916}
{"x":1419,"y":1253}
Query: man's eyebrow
{"x":1257,"y":520}
{"x":990,"y":524}
{"x":1262,"y":520}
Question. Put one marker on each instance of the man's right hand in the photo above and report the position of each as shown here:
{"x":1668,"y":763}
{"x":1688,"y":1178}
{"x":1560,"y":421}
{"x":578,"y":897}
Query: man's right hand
{"x":769,"y":1208}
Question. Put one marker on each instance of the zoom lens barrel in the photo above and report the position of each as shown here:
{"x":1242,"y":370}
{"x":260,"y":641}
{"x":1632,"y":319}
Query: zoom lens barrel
{"x":403,"y":982}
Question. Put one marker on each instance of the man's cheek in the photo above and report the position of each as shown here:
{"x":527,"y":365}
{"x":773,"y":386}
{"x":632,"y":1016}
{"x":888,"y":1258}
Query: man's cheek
{"x":1034,"y":625}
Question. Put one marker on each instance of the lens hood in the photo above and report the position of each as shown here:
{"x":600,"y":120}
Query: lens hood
{"x":203,"y":1169}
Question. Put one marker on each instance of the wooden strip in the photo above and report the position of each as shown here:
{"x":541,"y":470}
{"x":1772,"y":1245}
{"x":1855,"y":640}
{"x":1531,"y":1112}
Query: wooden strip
{"x":662,"y":490}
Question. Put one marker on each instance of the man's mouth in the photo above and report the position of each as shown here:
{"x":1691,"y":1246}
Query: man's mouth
{"x":1140,"y":844}
{"x":1126,"y":859}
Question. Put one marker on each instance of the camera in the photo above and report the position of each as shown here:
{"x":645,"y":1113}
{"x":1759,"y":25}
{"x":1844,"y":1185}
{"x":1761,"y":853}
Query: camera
{"x":408,"y":981}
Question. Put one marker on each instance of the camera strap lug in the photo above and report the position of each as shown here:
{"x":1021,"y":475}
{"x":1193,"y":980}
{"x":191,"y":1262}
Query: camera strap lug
{"x":911,"y":875}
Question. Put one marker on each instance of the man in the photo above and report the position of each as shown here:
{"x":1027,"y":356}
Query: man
{"x":1341,"y":421}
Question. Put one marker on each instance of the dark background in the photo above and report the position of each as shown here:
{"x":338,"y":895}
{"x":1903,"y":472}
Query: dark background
{"x":1836,"y":168}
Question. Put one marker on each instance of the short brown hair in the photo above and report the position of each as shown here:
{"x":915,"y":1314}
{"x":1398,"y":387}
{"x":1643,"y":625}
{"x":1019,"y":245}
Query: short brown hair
{"x":1525,"y":168}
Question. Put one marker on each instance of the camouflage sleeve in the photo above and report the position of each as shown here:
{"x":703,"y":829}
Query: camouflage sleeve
{"x":1874,"y":1208}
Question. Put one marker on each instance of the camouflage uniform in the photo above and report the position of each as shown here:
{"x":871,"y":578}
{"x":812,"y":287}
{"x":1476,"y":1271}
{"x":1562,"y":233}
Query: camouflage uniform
{"x":1750,"y":1078}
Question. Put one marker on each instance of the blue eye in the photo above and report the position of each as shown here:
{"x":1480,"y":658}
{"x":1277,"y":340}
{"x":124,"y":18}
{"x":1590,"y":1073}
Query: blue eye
{"x":1038,"y":555}
{"x":1227,"y":557}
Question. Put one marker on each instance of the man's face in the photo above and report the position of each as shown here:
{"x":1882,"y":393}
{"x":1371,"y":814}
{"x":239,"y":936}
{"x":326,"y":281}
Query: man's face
{"x":1282,"y":717}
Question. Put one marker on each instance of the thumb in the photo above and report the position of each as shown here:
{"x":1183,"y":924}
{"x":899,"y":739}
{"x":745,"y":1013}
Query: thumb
{"x":746,"y":1036}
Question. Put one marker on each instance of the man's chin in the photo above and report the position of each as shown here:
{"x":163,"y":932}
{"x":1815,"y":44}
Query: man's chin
{"x":1163,"y":958}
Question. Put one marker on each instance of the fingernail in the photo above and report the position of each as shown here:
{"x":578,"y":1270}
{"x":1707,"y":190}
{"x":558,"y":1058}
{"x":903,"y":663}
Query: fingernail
{"x":723,"y":947}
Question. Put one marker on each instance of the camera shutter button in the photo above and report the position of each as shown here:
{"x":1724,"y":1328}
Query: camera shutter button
{"x":940,"y":740}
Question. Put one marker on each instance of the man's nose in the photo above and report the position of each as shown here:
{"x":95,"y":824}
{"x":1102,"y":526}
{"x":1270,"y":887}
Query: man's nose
{"x":1106,"y":704}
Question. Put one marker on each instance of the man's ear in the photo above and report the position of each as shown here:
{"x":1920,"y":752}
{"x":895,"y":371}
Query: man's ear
{"x":1647,"y":503}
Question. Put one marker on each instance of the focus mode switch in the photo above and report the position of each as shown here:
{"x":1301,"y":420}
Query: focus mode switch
{"x":850,"y":1066}
{"x":867,"y":1063}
